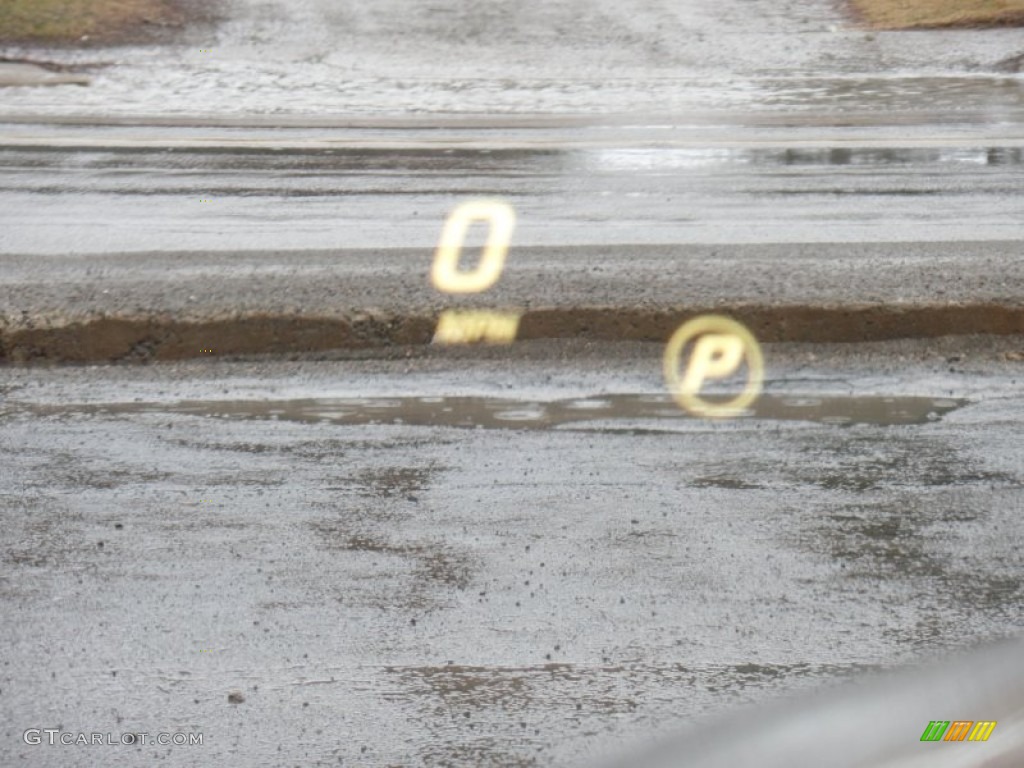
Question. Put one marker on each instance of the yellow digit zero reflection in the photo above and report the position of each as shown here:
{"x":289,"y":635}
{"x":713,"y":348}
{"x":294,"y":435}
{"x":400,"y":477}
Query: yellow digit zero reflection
{"x":721,"y":346}
{"x":445,"y":274}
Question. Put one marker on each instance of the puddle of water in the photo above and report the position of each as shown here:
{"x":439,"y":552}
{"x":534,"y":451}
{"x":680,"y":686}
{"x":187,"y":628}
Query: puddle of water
{"x":499,"y":413}
{"x":994,"y":95}
{"x":664,"y":159}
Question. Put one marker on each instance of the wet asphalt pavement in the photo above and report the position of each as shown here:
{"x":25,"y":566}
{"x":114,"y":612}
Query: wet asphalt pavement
{"x":582,"y":186}
{"x":306,"y":58}
{"x":362,"y":550}
{"x":514,"y":556}
{"x":115,"y":249}
{"x":276,"y":182}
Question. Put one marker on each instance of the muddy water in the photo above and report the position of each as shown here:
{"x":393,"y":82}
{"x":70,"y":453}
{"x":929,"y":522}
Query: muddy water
{"x":607,"y":412}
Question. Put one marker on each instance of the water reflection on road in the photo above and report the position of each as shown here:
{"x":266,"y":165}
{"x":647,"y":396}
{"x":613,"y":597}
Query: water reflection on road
{"x":617,"y":411}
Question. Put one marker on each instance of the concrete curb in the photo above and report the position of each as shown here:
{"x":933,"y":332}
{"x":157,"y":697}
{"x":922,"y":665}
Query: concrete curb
{"x":142,"y":338}
{"x":142,"y":306}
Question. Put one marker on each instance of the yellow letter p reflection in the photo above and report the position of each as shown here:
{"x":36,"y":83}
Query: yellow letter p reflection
{"x":720,"y":347}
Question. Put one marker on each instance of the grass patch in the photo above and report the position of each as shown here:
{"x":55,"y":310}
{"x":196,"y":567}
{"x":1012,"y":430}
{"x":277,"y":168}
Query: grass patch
{"x":922,"y":14}
{"x":97,"y":21}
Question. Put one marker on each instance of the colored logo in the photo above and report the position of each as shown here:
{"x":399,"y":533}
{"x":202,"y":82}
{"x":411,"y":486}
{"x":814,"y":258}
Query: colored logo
{"x":958,"y":730}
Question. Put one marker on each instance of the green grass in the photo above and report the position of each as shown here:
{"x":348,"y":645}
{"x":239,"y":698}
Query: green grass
{"x":911,"y":14}
{"x":67,"y":21}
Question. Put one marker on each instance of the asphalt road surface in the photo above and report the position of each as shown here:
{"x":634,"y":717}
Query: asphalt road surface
{"x":82,"y":190}
{"x":340,"y":58}
{"x":620,"y":229}
{"x":523,"y":555}
{"x":513,"y":556}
